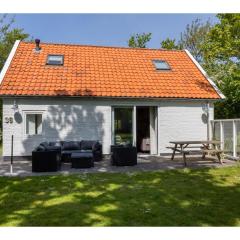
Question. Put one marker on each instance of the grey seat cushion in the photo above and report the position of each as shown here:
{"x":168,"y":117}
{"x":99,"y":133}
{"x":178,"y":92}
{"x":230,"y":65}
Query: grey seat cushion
{"x":71,"y":151}
{"x":44,"y":144}
{"x":53,"y":148}
{"x":82,"y":155}
{"x":72,"y":145}
{"x":87,"y":145}
{"x":55,"y":144}
{"x":40,"y":148}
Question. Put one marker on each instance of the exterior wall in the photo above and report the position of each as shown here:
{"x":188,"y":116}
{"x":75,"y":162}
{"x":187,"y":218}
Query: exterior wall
{"x":62,"y":120}
{"x":82,"y":119}
{"x":181,"y":121}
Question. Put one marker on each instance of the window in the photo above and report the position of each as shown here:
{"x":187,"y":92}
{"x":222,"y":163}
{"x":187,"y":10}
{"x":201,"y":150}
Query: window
{"x":33,"y":124}
{"x":161,"y":65}
{"x":55,"y":60}
{"x":123,"y":125}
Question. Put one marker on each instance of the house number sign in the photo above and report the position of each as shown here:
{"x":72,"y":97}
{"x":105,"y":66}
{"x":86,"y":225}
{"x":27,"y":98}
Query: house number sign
{"x":8,"y":120}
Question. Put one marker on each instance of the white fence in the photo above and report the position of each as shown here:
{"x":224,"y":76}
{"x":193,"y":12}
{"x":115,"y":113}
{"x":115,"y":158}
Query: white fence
{"x":228,"y":132}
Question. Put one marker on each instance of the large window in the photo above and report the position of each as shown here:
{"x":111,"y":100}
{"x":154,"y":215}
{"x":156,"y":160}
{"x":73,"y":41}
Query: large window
{"x":123,"y":125}
{"x":33,"y":124}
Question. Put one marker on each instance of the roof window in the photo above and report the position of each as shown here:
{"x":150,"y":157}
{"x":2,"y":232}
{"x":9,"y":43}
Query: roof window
{"x":161,"y":65}
{"x":55,"y":60}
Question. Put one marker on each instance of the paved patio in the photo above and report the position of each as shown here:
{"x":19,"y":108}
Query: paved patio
{"x":145,"y":163}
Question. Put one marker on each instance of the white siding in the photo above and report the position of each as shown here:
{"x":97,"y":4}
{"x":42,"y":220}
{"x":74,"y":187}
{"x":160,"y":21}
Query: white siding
{"x":181,"y":121}
{"x":78,"y":119}
{"x":62,"y":120}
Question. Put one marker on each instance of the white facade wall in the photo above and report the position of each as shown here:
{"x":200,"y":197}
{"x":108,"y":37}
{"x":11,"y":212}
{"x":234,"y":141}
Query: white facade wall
{"x":62,"y":120}
{"x":82,"y":119}
{"x":181,"y":121}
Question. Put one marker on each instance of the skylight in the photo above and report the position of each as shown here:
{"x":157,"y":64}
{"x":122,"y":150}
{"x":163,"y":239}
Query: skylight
{"x":161,"y":65}
{"x":55,"y":60}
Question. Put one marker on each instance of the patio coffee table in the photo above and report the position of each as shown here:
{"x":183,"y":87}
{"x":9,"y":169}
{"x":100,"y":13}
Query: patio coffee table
{"x":82,"y":160}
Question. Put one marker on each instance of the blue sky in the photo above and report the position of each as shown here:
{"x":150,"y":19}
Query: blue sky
{"x":105,"y":29}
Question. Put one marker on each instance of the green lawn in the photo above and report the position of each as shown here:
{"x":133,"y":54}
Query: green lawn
{"x":200,"y":197}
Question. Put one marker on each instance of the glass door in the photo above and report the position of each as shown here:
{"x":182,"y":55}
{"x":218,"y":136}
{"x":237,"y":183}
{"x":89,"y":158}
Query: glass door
{"x":123,"y":125}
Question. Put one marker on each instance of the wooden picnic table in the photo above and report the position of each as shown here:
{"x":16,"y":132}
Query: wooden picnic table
{"x":204,"y":148}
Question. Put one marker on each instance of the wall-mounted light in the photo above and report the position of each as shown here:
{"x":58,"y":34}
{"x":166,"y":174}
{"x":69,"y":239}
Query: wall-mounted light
{"x":205,"y":107}
{"x":15,"y":106}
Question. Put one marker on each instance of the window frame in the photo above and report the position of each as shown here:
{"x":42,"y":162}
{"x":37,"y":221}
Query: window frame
{"x":161,"y":69}
{"x":25,"y":122}
{"x":55,"y":55}
{"x":133,"y":108}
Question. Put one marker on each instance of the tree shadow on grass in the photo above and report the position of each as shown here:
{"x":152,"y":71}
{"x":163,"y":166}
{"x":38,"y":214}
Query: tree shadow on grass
{"x":168,"y":198}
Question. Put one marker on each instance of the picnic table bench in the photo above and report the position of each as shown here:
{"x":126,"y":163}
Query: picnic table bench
{"x":192,"y":147}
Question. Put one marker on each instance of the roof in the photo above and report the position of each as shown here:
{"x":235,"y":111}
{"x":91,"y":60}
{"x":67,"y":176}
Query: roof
{"x":104,"y":72}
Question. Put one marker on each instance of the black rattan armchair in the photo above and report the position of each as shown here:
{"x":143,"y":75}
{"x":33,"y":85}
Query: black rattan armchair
{"x":123,"y":155}
{"x":46,"y":161}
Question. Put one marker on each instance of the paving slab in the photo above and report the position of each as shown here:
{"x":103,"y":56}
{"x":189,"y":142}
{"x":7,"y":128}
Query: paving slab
{"x":145,"y":163}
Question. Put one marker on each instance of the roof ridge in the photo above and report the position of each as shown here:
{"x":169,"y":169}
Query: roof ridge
{"x":98,"y":46}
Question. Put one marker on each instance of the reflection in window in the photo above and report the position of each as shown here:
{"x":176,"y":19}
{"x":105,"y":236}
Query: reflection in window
{"x":33,"y":124}
{"x":123,"y":126}
{"x":161,"y":65}
{"x":55,"y":60}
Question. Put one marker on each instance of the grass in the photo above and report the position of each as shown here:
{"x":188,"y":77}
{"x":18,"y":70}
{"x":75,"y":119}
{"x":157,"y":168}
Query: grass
{"x":200,"y":197}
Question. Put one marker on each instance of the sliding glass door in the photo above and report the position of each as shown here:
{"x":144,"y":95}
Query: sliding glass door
{"x":127,"y":126}
{"x":123,"y":125}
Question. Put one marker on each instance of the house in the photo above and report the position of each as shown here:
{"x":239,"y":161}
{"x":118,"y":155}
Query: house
{"x":147,"y":97}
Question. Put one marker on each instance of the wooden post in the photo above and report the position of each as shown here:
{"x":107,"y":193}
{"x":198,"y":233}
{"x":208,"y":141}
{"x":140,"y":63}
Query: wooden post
{"x":174,"y":150}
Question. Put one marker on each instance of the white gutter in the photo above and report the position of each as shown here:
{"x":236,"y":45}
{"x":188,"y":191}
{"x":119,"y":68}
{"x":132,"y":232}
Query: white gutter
{"x":205,"y":75}
{"x":8,"y":61}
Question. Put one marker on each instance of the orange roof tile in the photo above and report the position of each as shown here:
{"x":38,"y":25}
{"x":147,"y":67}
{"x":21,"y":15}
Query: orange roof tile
{"x":104,"y":72}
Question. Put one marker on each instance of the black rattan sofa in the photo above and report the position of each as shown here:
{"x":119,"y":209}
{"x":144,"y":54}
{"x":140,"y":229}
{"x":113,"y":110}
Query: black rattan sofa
{"x":51,"y":152}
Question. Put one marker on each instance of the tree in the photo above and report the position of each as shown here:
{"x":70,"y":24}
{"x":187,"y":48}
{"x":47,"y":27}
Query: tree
{"x":217,"y":48}
{"x":139,"y":40}
{"x":222,"y":62}
{"x":224,"y":38}
{"x":170,"y":44}
{"x":8,"y":36}
{"x":193,"y":39}
{"x":230,"y":86}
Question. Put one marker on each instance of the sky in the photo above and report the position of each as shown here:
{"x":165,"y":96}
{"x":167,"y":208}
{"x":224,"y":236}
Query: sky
{"x":105,"y":29}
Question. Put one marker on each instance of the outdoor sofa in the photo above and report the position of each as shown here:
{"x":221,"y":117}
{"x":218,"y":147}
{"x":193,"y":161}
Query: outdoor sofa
{"x":61,"y":151}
